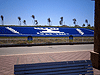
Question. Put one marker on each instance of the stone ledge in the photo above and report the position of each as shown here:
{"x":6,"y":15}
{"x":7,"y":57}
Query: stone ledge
{"x":95,"y":58}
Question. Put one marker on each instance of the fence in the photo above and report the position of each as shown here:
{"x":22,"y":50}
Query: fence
{"x":15,"y":40}
{"x":11,"y":40}
{"x":84,"y":39}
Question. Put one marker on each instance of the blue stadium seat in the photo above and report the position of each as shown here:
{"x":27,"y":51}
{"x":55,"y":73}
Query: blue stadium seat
{"x":31,"y":31}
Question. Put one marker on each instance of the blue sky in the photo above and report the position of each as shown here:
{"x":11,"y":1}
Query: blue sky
{"x":44,"y":9}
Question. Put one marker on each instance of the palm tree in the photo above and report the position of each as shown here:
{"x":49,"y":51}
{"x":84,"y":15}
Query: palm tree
{"x":74,"y":21}
{"x":2,"y":19}
{"x":49,"y":21}
{"x":24,"y":22}
{"x":86,"y":21}
{"x":36,"y":22}
{"x":89,"y":25}
{"x":61,"y":20}
{"x":83,"y":25}
{"x":19,"y":20}
{"x":33,"y":18}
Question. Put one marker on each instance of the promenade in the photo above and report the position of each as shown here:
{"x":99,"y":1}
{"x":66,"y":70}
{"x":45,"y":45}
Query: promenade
{"x":7,"y":62}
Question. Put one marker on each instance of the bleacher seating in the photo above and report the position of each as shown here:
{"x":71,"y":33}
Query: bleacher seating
{"x":3,"y":30}
{"x":32,"y":31}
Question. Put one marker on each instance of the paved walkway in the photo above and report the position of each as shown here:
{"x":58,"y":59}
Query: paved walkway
{"x":7,"y":62}
{"x":43,"y":49}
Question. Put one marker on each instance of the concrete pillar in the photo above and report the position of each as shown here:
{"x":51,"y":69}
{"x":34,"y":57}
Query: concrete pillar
{"x":95,"y":55}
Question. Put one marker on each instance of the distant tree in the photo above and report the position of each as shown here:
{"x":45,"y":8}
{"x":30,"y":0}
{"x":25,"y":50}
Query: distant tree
{"x":74,"y":21}
{"x":2,"y":19}
{"x":61,"y":20}
{"x":92,"y":26}
{"x":77,"y":26}
{"x":65,"y":26}
{"x":86,"y":21}
{"x":89,"y":25}
{"x":83,"y":25}
{"x":24,"y":22}
{"x":19,"y":20}
{"x":49,"y":21}
{"x":36,"y":22}
{"x":33,"y":18}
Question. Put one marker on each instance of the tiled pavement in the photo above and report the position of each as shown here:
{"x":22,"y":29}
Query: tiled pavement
{"x":7,"y":62}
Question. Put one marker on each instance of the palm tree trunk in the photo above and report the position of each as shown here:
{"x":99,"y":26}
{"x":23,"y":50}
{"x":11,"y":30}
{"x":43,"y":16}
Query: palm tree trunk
{"x":20,"y":23}
{"x":49,"y":23}
{"x":34,"y":21}
{"x":87,"y":24}
{"x":2,"y":22}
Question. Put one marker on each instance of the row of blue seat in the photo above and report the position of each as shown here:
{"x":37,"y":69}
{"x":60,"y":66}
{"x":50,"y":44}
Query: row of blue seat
{"x":32,"y":31}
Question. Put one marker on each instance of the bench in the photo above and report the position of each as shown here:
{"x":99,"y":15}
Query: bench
{"x":82,"y":67}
